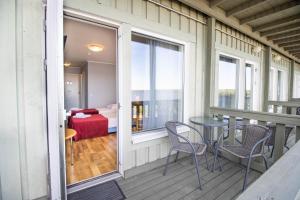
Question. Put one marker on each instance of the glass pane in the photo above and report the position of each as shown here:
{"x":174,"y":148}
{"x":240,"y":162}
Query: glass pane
{"x":297,"y":85}
{"x":279,"y":85}
{"x":168,"y":83}
{"x":227,"y":82}
{"x":157,"y":85}
{"x":271,"y":80}
{"x":140,"y":80}
{"x":248,"y":87}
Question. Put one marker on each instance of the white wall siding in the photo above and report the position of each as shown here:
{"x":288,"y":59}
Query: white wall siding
{"x":23,"y":132}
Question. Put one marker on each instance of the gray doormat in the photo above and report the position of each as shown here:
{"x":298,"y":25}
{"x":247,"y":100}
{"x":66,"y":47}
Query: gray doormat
{"x":105,"y":191}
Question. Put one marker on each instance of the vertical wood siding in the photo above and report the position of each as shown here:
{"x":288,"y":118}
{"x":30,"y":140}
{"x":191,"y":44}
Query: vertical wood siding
{"x":229,"y":37}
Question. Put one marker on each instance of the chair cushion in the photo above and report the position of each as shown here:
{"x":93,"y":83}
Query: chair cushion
{"x":185,"y":147}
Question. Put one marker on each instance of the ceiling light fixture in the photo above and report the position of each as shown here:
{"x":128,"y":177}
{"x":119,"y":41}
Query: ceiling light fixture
{"x":95,"y":47}
{"x":67,"y":64}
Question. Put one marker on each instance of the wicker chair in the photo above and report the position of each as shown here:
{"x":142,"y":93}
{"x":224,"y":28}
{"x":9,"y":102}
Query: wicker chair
{"x":182,"y":144}
{"x":252,"y":146}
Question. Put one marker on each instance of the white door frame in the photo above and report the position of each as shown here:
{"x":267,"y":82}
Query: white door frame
{"x":55,"y":98}
{"x":54,"y":58}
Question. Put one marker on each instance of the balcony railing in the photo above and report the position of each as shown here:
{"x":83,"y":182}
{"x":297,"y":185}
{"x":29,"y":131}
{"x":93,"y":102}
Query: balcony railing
{"x":287,"y":107}
{"x":279,"y":120}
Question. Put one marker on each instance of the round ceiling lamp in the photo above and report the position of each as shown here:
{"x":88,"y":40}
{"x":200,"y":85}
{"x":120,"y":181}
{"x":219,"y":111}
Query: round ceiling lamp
{"x":95,"y":47}
{"x":67,"y":64}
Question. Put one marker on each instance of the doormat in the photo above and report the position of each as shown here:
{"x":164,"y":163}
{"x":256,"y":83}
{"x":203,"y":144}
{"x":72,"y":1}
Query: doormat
{"x":105,"y":191}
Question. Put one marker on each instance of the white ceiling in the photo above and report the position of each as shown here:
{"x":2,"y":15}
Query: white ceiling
{"x":80,"y":34}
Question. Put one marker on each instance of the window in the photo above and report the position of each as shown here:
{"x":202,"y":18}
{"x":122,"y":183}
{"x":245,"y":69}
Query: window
{"x":296,"y":85}
{"x":278,"y":84}
{"x":227,"y":86}
{"x":156,"y":83}
{"x":248,"y":87}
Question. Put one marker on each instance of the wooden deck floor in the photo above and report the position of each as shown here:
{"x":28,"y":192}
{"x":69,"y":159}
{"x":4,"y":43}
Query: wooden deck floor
{"x":181,"y":181}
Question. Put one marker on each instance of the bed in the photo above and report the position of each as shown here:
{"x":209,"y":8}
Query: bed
{"x":95,"y":125}
{"x":110,"y":112}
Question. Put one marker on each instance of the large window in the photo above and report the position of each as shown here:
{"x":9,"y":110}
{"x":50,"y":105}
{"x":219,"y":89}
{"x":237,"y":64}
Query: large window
{"x":248,"y":86}
{"x":296,"y":87}
{"x":278,"y":84}
{"x":227,"y":86}
{"x":156,"y":82}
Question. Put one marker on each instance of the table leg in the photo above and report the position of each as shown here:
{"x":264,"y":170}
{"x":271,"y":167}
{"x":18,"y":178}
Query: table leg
{"x":72,"y":153}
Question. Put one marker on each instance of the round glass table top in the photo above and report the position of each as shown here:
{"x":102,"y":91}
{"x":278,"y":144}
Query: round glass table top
{"x":208,"y":121}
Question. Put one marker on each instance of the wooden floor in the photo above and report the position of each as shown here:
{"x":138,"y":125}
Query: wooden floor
{"x":92,"y":157}
{"x":181,"y":181}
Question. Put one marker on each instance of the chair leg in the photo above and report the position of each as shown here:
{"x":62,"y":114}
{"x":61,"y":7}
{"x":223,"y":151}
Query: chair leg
{"x":205,"y":154}
{"x":265,"y":161}
{"x":176,"y":156}
{"x":197,"y":169}
{"x":215,"y":151}
{"x":272,"y":152}
{"x":246,"y":174}
{"x":166,"y":166}
{"x":219,"y":163}
{"x":288,"y":148}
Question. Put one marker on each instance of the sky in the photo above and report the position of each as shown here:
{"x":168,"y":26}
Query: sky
{"x":168,"y":68}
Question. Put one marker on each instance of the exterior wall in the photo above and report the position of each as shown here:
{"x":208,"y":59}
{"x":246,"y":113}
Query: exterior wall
{"x":147,"y":16}
{"x":23,"y":135}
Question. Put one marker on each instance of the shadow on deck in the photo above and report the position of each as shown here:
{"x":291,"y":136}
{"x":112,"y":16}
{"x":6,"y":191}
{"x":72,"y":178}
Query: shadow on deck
{"x":181,"y":181}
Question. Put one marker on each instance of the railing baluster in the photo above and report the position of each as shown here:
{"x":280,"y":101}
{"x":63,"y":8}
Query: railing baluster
{"x":293,"y":110}
{"x":279,"y":141}
{"x":232,"y":123}
{"x":245,"y":121}
{"x":284,"y":110}
{"x":275,"y":108}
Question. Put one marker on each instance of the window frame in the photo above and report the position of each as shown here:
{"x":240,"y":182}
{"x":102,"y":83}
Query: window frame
{"x":145,"y":135}
{"x":243,"y":59}
{"x":275,"y":68}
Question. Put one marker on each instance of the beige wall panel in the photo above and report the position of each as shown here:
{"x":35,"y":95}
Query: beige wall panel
{"x":138,"y":8}
{"x":175,"y":18}
{"x":152,"y":12}
{"x":184,"y":21}
{"x":123,"y":5}
{"x":164,"y":16}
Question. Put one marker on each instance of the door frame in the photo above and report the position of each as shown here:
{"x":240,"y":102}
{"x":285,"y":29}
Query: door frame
{"x":55,"y":99}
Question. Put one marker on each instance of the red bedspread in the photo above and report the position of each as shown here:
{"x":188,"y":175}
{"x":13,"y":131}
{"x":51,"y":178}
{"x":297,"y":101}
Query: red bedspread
{"x":93,"y":126}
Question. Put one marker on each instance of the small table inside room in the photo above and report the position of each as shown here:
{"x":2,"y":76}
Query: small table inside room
{"x":209,"y":123}
{"x":69,"y":135}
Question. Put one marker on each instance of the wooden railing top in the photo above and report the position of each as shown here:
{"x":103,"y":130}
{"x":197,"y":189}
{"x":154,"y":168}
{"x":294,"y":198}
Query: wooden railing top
{"x":261,"y":116}
{"x":285,"y":103}
{"x":281,"y":181}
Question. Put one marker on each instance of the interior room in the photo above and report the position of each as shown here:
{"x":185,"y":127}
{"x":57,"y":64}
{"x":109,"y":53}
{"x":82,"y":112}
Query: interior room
{"x":90,"y":100}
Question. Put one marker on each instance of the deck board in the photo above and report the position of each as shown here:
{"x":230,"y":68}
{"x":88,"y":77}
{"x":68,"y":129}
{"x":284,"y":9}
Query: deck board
{"x":181,"y":181}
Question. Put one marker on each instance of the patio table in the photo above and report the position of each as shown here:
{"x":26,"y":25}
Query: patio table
{"x":209,"y":123}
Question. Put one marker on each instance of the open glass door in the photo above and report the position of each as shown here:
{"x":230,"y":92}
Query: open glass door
{"x":91,"y":100}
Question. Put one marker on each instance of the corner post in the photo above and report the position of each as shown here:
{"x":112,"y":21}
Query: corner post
{"x":268,"y":62}
{"x":211,"y":32}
